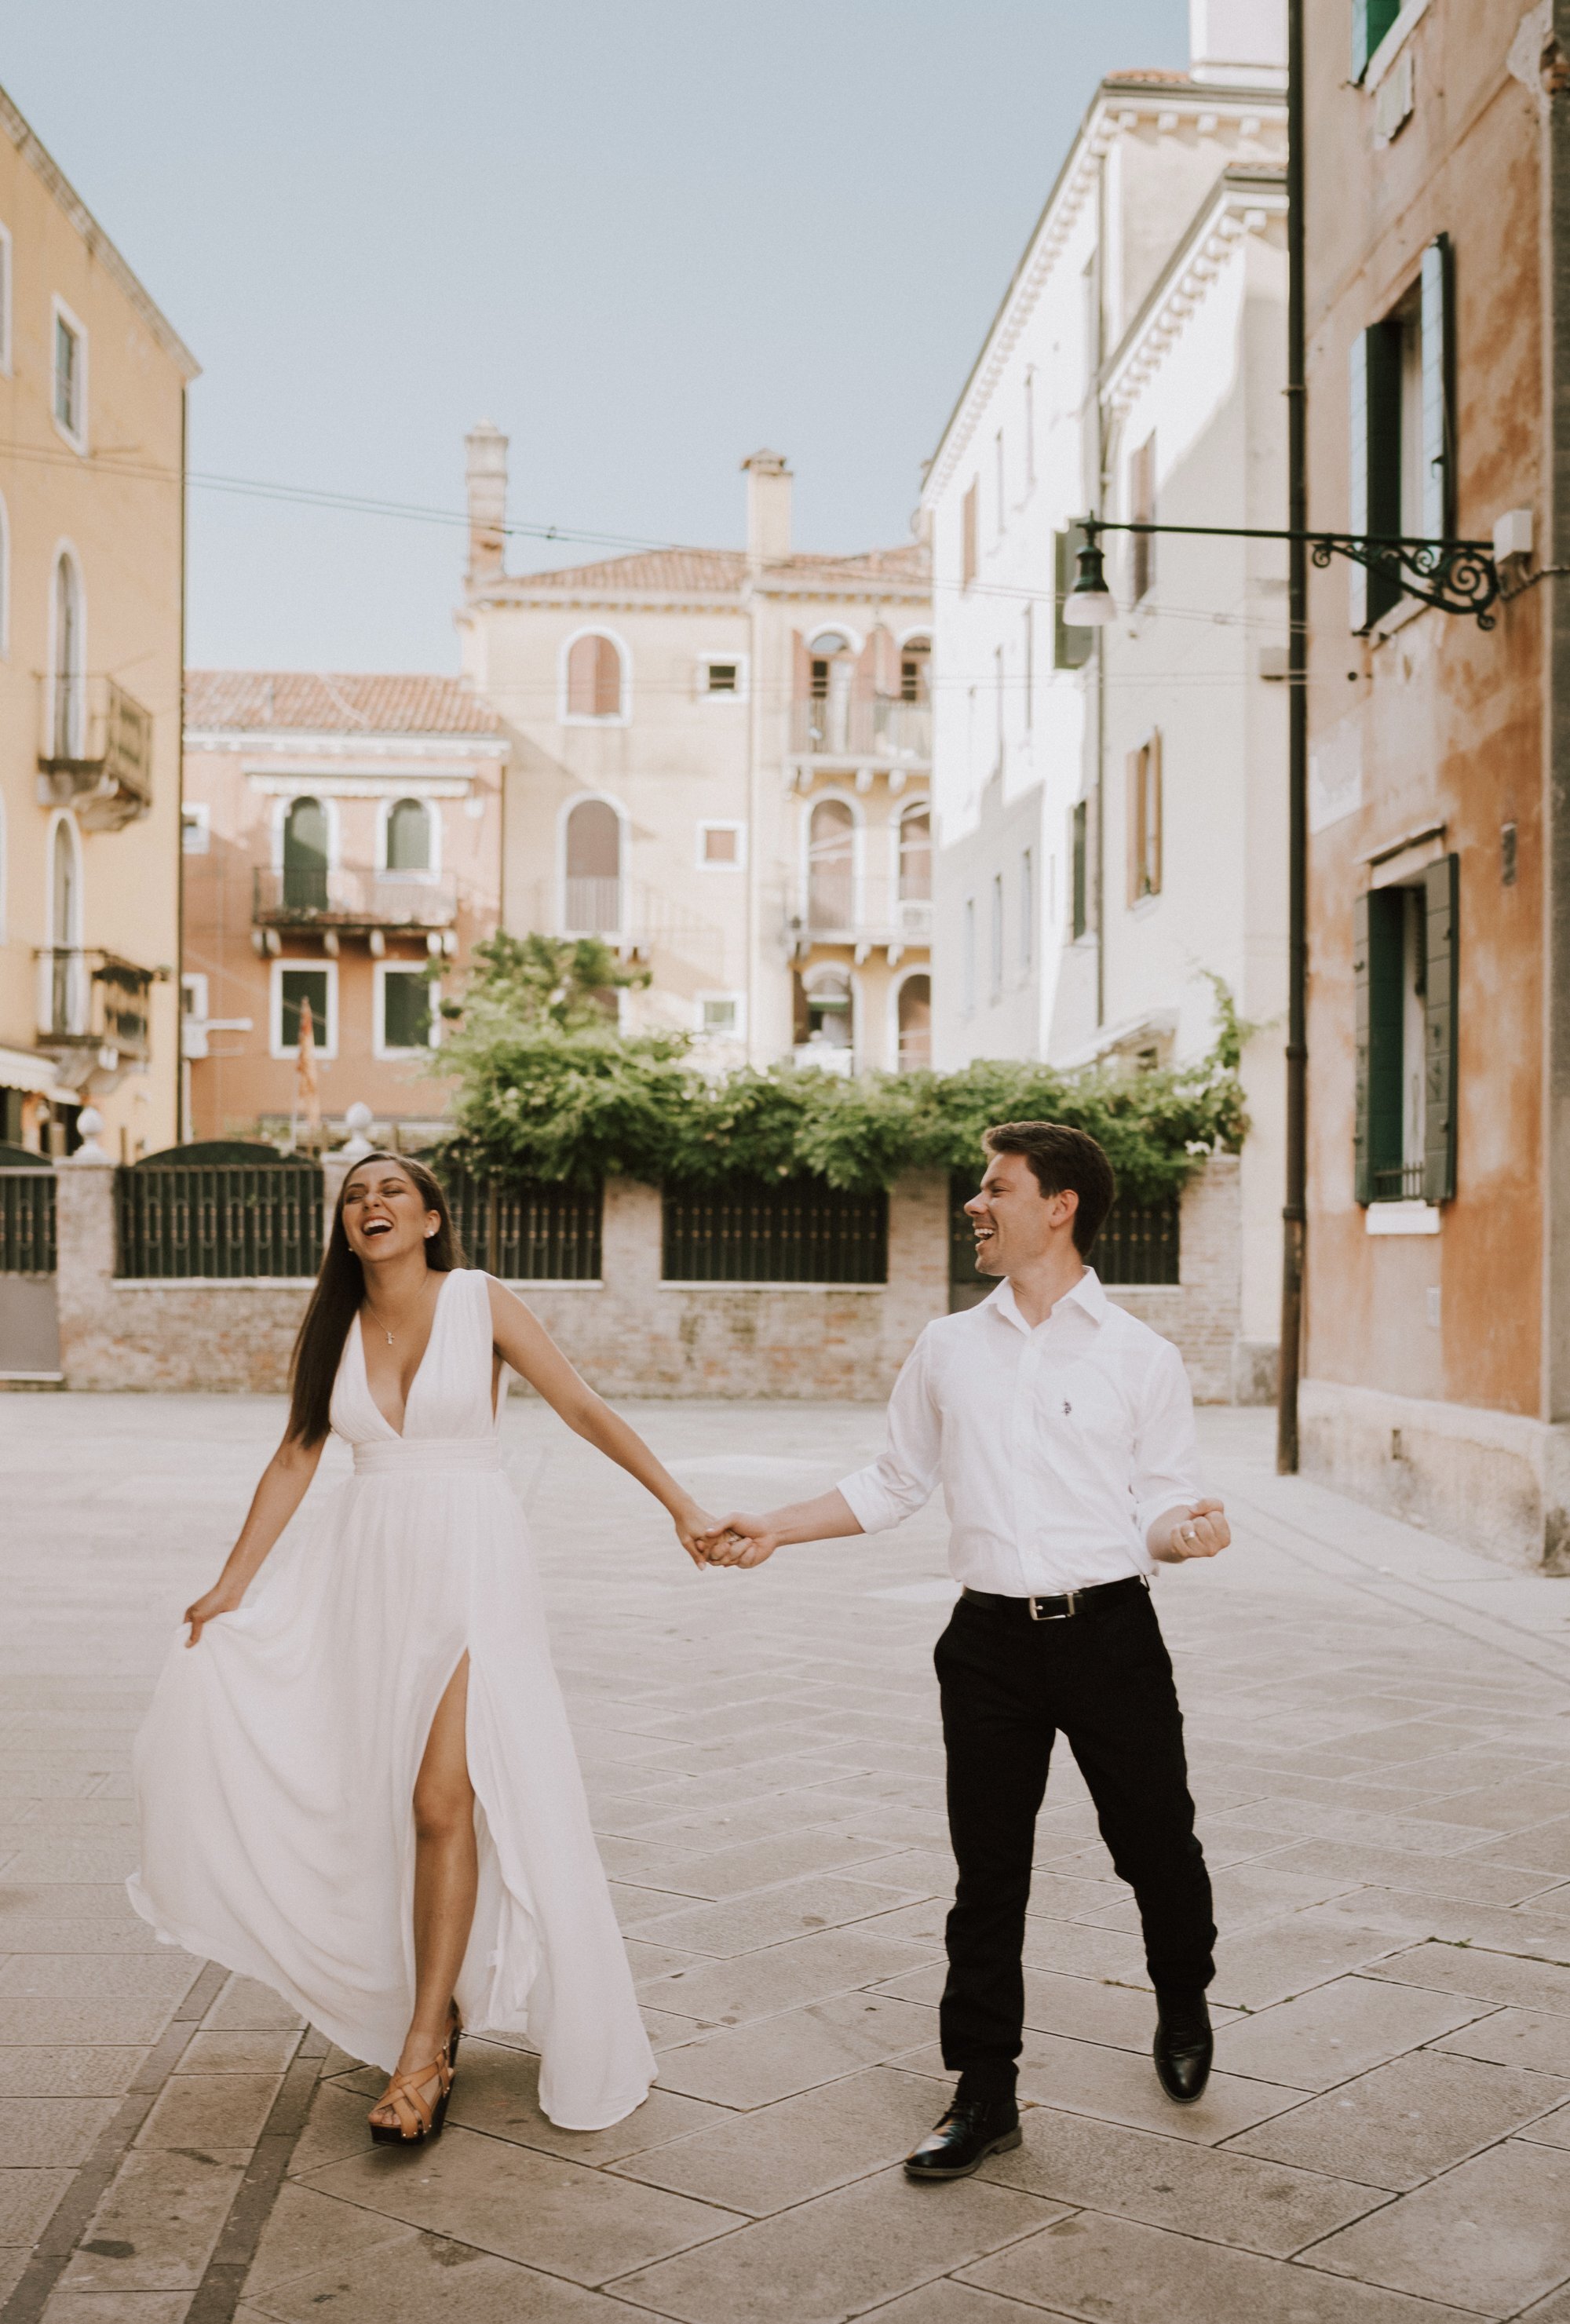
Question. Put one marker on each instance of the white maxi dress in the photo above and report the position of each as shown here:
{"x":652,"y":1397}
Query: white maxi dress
{"x":275,"y":1770}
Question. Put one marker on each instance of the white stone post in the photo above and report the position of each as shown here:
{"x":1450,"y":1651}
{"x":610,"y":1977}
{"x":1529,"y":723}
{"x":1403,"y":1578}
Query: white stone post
{"x":85,"y":1260}
{"x":336,"y":1165}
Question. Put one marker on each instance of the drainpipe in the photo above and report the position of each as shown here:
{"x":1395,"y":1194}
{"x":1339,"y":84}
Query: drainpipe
{"x":183,"y":1127}
{"x":1294,"y":1215}
{"x":1101,"y":485}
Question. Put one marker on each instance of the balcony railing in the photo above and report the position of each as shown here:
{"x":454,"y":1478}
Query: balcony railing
{"x":92,"y":1012}
{"x":1403,"y":1184}
{"x":848,"y":728}
{"x":350,"y":897}
{"x":95,"y":752}
{"x":633,"y":919}
{"x":838,"y":906}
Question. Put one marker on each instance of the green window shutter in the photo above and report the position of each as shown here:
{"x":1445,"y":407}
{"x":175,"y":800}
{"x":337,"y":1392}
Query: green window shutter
{"x":1442,"y":890}
{"x":1374,"y":460}
{"x":1370,"y":21}
{"x":1071,"y":646}
{"x":1438,"y":401}
{"x":1376,"y":975}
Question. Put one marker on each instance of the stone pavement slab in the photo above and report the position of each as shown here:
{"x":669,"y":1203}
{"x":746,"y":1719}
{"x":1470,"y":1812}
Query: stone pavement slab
{"x":1378,"y":1726}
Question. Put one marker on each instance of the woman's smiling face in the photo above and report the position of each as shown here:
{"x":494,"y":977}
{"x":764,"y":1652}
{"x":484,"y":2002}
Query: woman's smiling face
{"x":384,"y":1213}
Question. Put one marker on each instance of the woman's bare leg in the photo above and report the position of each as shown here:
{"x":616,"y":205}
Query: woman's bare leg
{"x":446,"y":1875}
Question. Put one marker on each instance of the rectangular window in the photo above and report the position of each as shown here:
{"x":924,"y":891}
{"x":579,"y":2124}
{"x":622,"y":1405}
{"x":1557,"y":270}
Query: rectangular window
{"x":1143,"y":511}
{"x":1079,"y":919}
{"x":408,"y":1017}
{"x":1029,"y":429}
{"x":720,"y":1015}
{"x":1401,"y":427}
{"x":1404,"y":975}
{"x":1071,"y":648}
{"x":195,"y":830}
{"x":69,"y":374}
{"x":998,"y":465}
{"x":722,"y":677}
{"x":967,"y":537}
{"x":291,"y":988}
{"x":1028,"y":719}
{"x":970,"y":955}
{"x":720,"y":845}
{"x":999,"y":682}
{"x":1370,"y":21}
{"x":997,"y":963}
{"x":1027,"y":909}
{"x":1144,"y":820}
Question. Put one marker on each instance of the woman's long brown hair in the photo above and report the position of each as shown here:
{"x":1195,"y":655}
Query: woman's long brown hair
{"x":340,"y":1289}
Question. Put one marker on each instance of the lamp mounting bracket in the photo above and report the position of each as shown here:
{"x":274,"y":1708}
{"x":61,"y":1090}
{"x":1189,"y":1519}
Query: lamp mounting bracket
{"x":1458,"y":576}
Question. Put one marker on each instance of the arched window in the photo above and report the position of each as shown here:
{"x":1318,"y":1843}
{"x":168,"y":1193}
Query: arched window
{"x":831,"y":665}
{"x":593,"y":679}
{"x":916,"y":1024}
{"x":915,"y":670}
{"x":593,"y":898}
{"x":915,"y":856}
{"x":68,"y":981}
{"x":305,"y":856}
{"x":66,"y":709}
{"x":824,"y":1015}
{"x":409,"y":836}
{"x":831,"y":844}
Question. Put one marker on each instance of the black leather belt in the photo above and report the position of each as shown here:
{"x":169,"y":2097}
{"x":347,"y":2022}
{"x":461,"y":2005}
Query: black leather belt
{"x":1058,"y":1609}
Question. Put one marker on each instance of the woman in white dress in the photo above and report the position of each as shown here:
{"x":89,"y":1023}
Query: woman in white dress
{"x":360,"y":1786}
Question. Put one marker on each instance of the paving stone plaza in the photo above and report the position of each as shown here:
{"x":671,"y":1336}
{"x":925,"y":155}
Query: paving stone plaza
{"x":1379,"y":1736}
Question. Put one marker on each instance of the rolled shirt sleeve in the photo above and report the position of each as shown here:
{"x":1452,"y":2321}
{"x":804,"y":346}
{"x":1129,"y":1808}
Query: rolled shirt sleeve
{"x":901,"y":1480}
{"x":1166,"y":1462}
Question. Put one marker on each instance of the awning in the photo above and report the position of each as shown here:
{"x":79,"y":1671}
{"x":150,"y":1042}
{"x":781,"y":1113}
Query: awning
{"x":24,"y":1069}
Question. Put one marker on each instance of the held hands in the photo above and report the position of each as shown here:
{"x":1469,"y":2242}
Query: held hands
{"x":740,"y":1541}
{"x":1199,"y":1531}
{"x":694,"y":1528}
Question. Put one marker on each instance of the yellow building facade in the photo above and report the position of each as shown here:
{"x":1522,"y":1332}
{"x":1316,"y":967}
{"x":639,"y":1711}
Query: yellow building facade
{"x":92,"y":470}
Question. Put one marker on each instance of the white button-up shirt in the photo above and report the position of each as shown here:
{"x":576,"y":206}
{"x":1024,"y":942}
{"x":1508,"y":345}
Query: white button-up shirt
{"x":1056,"y":1447}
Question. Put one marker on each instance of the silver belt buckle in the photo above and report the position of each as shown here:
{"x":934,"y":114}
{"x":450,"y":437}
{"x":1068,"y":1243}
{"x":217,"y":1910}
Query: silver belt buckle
{"x":1069,"y":1598}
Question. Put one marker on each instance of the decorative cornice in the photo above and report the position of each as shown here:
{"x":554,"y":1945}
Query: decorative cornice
{"x":1244,"y":203}
{"x":66,"y":197}
{"x":1119,"y":106}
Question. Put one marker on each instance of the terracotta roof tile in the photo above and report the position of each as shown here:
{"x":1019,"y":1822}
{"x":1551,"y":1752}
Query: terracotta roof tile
{"x":723,"y":571}
{"x":336,"y":703}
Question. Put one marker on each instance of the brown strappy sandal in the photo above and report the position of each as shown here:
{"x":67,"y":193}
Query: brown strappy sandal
{"x":418,"y":2117}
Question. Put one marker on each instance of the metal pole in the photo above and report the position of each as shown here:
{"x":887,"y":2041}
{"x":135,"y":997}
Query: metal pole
{"x":1293,"y":1218}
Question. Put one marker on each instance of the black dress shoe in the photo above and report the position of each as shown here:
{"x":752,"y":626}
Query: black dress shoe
{"x":971,"y":2130}
{"x":1184,"y":2048}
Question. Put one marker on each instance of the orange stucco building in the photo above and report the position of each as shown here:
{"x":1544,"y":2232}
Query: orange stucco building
{"x":1438,"y":1328}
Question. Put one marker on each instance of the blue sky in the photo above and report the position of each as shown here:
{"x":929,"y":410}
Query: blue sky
{"x":645,"y":236}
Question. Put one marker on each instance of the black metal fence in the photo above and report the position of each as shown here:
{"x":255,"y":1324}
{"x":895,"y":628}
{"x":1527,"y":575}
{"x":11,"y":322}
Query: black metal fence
{"x":787,"y":1231}
{"x":27,"y":1238}
{"x":1138,"y":1244}
{"x":526,"y":1233}
{"x":219,"y":1220}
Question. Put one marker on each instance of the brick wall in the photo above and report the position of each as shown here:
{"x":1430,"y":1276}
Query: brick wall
{"x":631,"y":1335}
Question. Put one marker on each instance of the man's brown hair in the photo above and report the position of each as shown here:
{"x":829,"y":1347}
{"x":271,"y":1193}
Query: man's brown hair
{"x":1066,"y":1162}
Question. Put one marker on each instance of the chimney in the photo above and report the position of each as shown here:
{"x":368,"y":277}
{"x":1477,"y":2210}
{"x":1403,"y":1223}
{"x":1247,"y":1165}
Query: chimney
{"x":768,"y":508}
{"x":1241,"y":43}
{"x":486,"y":471}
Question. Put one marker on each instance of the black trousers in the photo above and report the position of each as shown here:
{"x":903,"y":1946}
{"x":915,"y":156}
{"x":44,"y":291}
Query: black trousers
{"x":1009,"y":1685}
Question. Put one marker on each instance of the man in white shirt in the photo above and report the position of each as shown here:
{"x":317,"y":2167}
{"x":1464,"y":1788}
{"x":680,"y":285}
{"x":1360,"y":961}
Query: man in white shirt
{"x":1062,"y":1432}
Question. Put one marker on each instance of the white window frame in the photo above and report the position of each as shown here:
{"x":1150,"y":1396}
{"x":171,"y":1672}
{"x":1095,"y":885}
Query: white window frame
{"x":622,"y":717}
{"x":59,"y":313}
{"x":858,"y":850}
{"x":433,"y":818}
{"x":739,"y":662}
{"x":327,"y":1051}
{"x":564,"y":815}
{"x":738,"y":1031}
{"x":379,"y":1046}
{"x":896,"y":987}
{"x":706,"y":864}
{"x":198,"y":815}
{"x":6,"y":282}
{"x":67,"y":550}
{"x":194,"y":980}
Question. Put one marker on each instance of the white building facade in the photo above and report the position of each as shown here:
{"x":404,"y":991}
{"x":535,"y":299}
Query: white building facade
{"x":1110,"y":807}
{"x":719,"y":764}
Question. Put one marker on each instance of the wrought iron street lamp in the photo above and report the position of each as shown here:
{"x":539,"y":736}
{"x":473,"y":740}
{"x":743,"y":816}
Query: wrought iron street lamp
{"x":1458,"y":576}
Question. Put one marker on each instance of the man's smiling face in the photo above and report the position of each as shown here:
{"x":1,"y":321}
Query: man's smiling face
{"x":1015,"y":1222}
